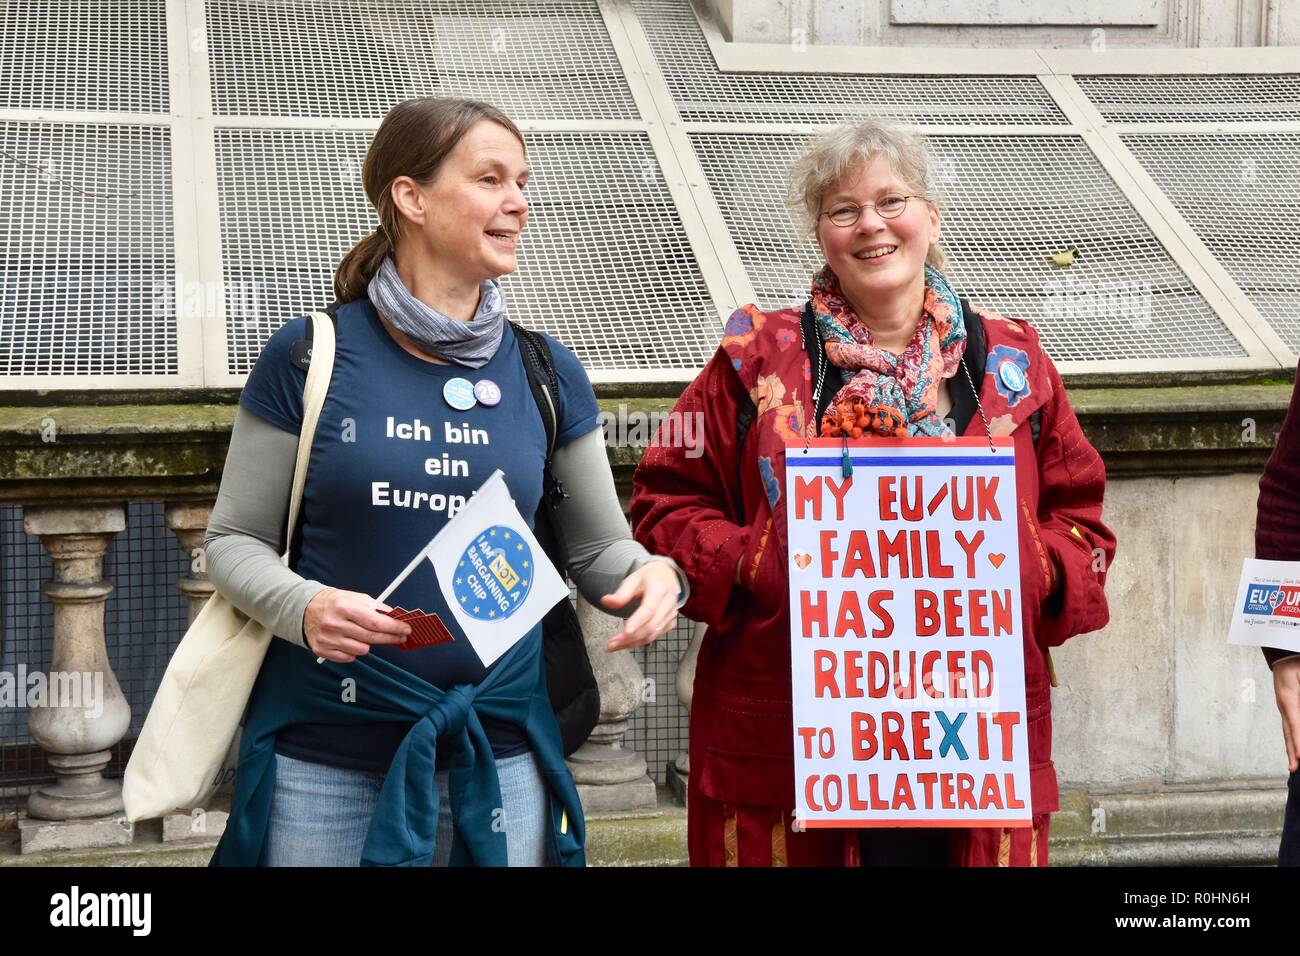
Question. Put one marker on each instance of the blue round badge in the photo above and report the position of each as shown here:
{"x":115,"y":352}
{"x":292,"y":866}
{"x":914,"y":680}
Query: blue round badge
{"x":487,"y":392}
{"x":1012,"y":375}
{"x":494,"y":574}
{"x":459,"y":394}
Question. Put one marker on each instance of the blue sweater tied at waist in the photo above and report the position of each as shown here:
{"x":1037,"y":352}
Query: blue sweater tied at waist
{"x":292,"y":688}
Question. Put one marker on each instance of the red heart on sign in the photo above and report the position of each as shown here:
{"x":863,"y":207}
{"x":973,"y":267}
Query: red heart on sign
{"x":997,"y":559}
{"x":802,"y":559}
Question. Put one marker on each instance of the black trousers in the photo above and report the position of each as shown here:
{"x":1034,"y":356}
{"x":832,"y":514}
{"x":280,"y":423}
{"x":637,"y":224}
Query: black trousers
{"x":906,"y":846}
{"x":1288,"y":854}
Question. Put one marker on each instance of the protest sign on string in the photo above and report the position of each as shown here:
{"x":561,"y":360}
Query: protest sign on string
{"x":905,"y":633}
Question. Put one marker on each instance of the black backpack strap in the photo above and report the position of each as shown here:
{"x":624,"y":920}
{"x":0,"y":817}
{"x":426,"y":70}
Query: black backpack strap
{"x":545,"y":386}
{"x":570,"y":681}
{"x":974,"y":355}
{"x":818,"y":364}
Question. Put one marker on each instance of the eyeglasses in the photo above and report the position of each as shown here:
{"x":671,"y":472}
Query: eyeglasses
{"x":890,"y":207}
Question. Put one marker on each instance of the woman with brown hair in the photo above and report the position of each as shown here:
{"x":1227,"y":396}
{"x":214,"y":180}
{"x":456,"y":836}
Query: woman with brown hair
{"x":356,"y":749}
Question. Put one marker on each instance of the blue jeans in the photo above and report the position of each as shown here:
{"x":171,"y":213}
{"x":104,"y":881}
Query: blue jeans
{"x":320,"y":814}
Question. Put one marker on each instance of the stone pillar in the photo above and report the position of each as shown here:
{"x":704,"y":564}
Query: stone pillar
{"x":608,"y":776}
{"x":189,"y":522}
{"x":77,"y":739}
{"x":679,"y":768}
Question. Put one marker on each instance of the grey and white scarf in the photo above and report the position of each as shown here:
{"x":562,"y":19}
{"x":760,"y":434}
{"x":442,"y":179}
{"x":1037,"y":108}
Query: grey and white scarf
{"x":471,"y":343}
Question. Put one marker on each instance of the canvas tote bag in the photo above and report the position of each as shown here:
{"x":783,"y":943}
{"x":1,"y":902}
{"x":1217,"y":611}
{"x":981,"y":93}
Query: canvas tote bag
{"x":189,"y":741}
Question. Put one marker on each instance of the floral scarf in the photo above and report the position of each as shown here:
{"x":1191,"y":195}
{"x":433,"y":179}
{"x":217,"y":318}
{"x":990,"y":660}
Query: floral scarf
{"x":889,"y":394}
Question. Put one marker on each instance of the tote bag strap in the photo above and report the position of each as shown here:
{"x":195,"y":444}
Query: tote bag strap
{"x":313,"y":397}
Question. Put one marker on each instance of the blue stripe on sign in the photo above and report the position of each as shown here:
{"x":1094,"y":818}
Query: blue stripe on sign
{"x":795,"y":460}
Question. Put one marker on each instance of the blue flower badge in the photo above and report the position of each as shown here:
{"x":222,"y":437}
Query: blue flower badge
{"x":1010,"y":370}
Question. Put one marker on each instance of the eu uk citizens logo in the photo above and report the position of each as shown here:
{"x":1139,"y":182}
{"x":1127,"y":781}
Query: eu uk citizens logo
{"x":494,"y":574}
{"x":1273,"y":600}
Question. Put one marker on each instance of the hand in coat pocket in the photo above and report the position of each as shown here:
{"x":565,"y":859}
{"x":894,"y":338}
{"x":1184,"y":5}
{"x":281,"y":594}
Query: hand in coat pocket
{"x":761,"y":569}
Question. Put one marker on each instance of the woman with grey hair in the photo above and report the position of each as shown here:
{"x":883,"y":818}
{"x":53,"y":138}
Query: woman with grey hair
{"x":889,"y":349}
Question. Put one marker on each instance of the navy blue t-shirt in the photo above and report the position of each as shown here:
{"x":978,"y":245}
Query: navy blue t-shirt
{"x":391,"y":462}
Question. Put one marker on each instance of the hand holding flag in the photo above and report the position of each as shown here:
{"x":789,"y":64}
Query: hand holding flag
{"x":493,"y":574}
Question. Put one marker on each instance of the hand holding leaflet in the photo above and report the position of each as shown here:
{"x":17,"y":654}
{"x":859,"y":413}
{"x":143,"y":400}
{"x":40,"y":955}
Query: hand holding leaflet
{"x":1267,"y":612}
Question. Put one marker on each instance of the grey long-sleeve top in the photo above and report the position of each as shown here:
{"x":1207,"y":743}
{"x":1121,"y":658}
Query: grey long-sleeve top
{"x":246,"y":534}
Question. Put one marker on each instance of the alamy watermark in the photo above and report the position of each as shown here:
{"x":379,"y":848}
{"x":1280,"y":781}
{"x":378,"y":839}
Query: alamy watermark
{"x":79,"y":689}
{"x":628,"y":428}
{"x":76,"y":908}
{"x":1086,"y":300}
{"x":243,"y":300}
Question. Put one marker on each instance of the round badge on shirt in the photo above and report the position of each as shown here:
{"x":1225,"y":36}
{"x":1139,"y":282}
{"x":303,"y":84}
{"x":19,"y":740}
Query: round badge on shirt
{"x":1012,"y":375}
{"x":487,"y":392}
{"x":459,"y":394}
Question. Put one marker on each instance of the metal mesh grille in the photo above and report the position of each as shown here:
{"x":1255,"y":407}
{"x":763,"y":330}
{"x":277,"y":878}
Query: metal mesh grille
{"x":1240,"y":192}
{"x":1197,"y":98}
{"x":534,"y":60}
{"x":607,"y":268}
{"x":146,"y":615}
{"x":660,"y":728}
{"x":704,"y":94}
{"x":26,"y":626}
{"x":144,"y":620}
{"x":291,"y":205}
{"x":92,"y":55}
{"x":1015,"y":201}
{"x":86,"y":250}
{"x":604,"y":264}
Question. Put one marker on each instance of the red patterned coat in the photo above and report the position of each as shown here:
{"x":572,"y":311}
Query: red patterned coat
{"x":713,"y":503}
